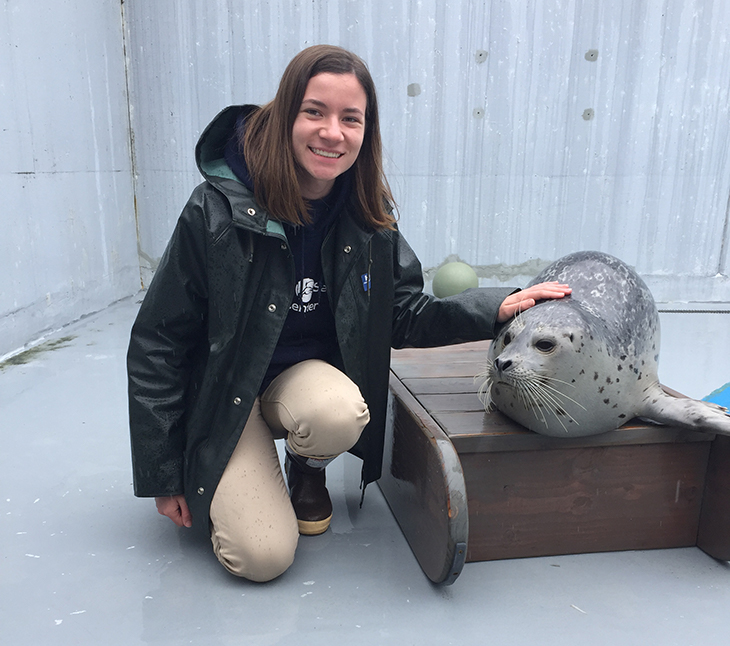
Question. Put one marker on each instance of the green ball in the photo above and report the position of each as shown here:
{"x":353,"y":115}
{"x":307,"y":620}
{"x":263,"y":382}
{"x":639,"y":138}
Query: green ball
{"x":453,"y":278}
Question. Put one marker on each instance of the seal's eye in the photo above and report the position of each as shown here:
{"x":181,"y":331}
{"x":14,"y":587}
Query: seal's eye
{"x":507,"y":339}
{"x":545,"y":345}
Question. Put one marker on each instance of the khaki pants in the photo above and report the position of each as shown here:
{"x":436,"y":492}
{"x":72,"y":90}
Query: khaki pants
{"x":321,"y":413}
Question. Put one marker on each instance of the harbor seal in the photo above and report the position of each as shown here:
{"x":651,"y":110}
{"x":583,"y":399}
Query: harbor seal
{"x":587,"y":363}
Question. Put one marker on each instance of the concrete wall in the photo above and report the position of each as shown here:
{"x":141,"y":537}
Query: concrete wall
{"x":68,"y":241}
{"x":515,"y":132}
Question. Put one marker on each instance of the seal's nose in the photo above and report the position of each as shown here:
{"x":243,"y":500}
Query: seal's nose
{"x":502,"y":365}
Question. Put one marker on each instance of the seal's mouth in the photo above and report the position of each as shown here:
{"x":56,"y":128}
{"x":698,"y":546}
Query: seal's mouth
{"x":510,"y":381}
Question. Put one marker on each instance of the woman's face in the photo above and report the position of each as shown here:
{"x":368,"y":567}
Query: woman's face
{"x":328,"y":131}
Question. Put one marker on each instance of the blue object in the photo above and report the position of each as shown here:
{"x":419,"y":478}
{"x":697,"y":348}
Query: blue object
{"x":720,"y":396}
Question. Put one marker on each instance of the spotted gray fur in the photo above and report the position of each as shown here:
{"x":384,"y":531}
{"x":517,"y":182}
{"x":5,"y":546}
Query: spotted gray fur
{"x":587,"y":363}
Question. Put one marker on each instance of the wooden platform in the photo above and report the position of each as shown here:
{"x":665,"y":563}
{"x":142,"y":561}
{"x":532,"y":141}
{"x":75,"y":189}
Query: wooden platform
{"x":466,"y":485}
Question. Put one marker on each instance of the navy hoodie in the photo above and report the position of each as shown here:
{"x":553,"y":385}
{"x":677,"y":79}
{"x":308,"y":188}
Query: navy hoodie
{"x":309,"y":330}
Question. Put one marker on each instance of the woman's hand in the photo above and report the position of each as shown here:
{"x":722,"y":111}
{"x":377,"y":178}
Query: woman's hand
{"x":524,"y":300}
{"x":176,"y":509}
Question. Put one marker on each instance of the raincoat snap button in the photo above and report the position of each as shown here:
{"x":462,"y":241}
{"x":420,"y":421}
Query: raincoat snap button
{"x":272,"y":308}
{"x":237,"y":401}
{"x":251,"y":211}
{"x":348,"y":249}
{"x":283,"y":245}
{"x":201,"y":491}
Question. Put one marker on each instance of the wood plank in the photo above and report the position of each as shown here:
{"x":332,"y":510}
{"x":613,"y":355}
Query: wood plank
{"x":464,"y":360}
{"x":433,"y":368}
{"x":589,"y":500}
{"x":472,"y":432}
{"x":423,"y":484}
{"x":440,"y":385}
{"x":714,"y":532}
{"x":473,"y":352}
{"x":452,"y":402}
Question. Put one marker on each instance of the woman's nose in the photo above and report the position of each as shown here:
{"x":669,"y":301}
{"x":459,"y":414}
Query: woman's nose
{"x":331,"y":130}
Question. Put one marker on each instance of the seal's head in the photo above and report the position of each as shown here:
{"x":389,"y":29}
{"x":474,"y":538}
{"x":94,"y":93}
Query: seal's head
{"x":587,"y":363}
{"x":552,"y":367}
{"x":531,"y":372}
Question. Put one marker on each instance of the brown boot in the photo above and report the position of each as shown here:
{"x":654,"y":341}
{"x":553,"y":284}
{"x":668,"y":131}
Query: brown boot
{"x":309,"y":495}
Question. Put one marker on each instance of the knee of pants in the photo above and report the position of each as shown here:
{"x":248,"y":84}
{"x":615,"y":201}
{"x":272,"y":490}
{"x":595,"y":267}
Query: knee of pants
{"x":258,"y":563}
{"x":319,"y":407}
{"x":331,"y":428}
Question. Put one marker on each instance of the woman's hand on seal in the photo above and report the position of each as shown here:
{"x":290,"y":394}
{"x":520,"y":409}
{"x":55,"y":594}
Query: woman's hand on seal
{"x":176,"y":509}
{"x":525,"y":299}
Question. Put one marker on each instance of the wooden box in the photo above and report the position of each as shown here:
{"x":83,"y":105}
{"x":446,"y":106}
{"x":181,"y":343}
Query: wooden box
{"x":466,"y":485}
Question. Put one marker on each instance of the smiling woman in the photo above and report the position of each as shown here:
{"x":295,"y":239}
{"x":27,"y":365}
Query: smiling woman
{"x":272,"y":315}
{"x":331,"y":78}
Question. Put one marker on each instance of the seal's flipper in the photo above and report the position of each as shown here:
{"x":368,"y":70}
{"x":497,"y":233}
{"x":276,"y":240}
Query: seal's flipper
{"x":687,"y":413}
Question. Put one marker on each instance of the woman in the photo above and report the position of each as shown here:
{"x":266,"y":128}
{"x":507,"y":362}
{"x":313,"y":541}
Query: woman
{"x":272,"y":314}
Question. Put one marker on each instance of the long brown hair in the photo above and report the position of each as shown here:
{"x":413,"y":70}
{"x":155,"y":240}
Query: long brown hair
{"x":267,"y":143}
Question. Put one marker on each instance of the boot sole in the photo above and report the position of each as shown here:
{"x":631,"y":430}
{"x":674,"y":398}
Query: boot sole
{"x":314,"y":527}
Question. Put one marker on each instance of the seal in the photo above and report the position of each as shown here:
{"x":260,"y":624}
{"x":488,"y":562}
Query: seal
{"x":587,"y":363}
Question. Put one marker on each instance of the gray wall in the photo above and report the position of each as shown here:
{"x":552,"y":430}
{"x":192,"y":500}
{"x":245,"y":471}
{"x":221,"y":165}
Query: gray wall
{"x":68,"y":242}
{"x":515,"y":132}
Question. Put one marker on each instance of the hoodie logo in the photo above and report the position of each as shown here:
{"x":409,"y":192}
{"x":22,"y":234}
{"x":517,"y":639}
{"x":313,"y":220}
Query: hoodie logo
{"x":305,"y":289}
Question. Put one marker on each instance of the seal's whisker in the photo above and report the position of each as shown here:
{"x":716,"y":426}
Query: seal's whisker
{"x":541,"y":400}
{"x":542,"y":405}
{"x":544,"y":383}
{"x":531,"y":401}
{"x":485,"y":393}
{"x":553,"y":406}
{"x":563,"y":395}
{"x":556,"y":380}
{"x":543,"y":394}
{"x":485,"y":389}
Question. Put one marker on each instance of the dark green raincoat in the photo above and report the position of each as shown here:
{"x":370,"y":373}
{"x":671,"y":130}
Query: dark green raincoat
{"x":212,"y":315}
